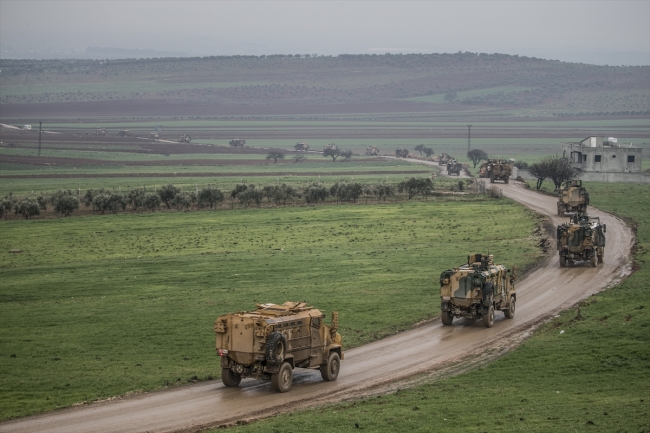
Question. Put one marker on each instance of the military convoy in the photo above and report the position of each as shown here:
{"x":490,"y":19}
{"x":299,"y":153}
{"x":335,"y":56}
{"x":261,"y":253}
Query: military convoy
{"x":477,"y":289}
{"x":496,"y":170}
{"x":572,"y":197}
{"x":270,"y":341}
{"x":581,"y":239}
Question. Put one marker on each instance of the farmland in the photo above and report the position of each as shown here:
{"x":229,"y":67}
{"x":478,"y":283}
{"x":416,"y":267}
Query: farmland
{"x":96,"y":306}
{"x":101,"y":306}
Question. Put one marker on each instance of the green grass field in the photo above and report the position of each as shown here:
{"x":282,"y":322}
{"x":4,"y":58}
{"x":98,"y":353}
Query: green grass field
{"x":594,"y":377}
{"x":100,"y":306}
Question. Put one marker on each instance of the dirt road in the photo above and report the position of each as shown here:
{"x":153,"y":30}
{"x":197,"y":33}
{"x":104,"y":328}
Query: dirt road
{"x":429,"y":347}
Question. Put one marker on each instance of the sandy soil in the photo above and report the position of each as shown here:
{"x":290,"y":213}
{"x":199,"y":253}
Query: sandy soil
{"x":428,"y":349}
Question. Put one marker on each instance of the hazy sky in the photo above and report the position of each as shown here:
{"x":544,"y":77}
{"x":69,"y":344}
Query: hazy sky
{"x":565,"y":30}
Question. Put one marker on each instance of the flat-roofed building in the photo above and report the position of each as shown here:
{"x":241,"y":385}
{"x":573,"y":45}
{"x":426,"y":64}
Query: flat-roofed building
{"x":603,"y":155}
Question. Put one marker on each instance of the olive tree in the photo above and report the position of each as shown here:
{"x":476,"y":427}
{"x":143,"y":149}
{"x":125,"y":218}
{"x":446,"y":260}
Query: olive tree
{"x":167,"y":194}
{"x":415,"y":186}
{"x":275,"y":155}
{"x":65,"y":202}
{"x":476,"y":156}
{"x":209,"y":196}
{"x":28,"y":207}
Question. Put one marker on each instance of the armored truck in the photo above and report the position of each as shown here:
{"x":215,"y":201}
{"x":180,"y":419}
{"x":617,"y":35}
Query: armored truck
{"x":454,"y":167}
{"x":443,"y":159}
{"x":581,"y":239}
{"x":184,"y":138}
{"x":572,"y":197}
{"x":270,"y":341}
{"x":496,"y":170}
{"x":476,"y":290}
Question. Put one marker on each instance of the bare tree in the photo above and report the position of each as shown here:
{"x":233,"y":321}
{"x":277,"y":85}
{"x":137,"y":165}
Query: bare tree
{"x":275,"y":155}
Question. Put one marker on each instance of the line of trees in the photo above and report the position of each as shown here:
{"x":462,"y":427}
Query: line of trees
{"x":102,"y":200}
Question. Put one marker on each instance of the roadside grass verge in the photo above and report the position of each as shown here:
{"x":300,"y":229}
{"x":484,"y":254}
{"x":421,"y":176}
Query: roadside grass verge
{"x":96,"y":307}
{"x":593,"y":377}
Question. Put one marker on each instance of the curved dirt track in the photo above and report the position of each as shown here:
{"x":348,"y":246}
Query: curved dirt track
{"x":544,"y":292}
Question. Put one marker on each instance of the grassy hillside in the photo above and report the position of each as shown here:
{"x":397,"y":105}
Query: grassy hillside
{"x":483,"y":80}
{"x":592,"y":377}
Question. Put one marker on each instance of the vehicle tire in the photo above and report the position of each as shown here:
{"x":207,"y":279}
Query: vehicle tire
{"x":510,"y":312}
{"x":282,"y":380}
{"x":229,"y":378}
{"x":276,"y":346}
{"x":562,"y":262}
{"x":594,"y":261}
{"x":446,"y":318}
{"x":488,"y":318}
{"x":330,"y":371}
{"x":491,"y":180}
{"x":507,"y":179}
{"x":601,"y":256}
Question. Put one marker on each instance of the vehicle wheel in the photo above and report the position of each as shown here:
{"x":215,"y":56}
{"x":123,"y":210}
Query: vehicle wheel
{"x":229,"y":378}
{"x":491,"y":180}
{"x":562,"y":262}
{"x":488,"y":318}
{"x":507,"y":179}
{"x":594,"y":261}
{"x":275,"y":348}
{"x":446,"y":318}
{"x":282,"y":380}
{"x":601,"y":256}
{"x":330,"y":371}
{"x":510,"y":312}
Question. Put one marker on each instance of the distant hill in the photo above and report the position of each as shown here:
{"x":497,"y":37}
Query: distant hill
{"x":469,"y":79}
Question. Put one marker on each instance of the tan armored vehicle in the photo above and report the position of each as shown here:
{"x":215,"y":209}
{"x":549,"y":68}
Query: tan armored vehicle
{"x":454,"y":167}
{"x":154,"y":136}
{"x":401,"y":153}
{"x":301,"y":145}
{"x":269,"y":342}
{"x":581,"y":239}
{"x":496,"y":169}
{"x":124,"y":133}
{"x":185,"y":138}
{"x":476,"y":290}
{"x":372,"y":151}
{"x":100,"y":131}
{"x":443,"y":159}
{"x":572,"y":197}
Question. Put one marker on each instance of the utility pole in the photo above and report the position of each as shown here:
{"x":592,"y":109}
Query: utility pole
{"x":39,"y":137}
{"x":469,"y":130}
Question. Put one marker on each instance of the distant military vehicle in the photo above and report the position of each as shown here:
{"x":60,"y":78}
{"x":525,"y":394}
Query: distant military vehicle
{"x":124,"y":133}
{"x":443,"y":159}
{"x":454,"y":167}
{"x":496,"y":169}
{"x":269,"y":342}
{"x":581,"y":239}
{"x":100,"y":131}
{"x":401,"y":153}
{"x":185,"y":138}
{"x":372,"y":151}
{"x":476,"y":289}
{"x":154,"y":136}
{"x":572,"y":197}
{"x":301,"y":145}
{"x":237,"y":142}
